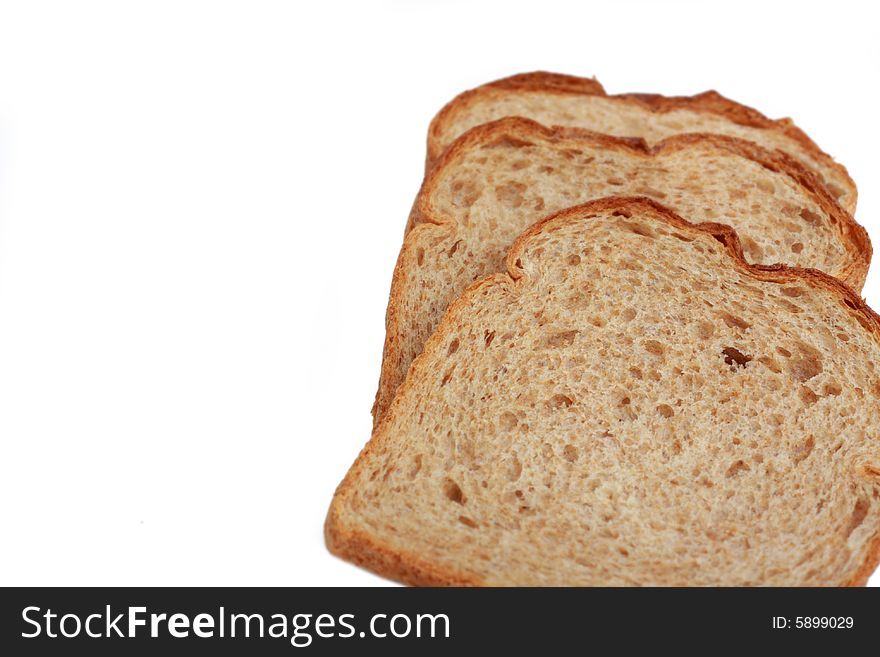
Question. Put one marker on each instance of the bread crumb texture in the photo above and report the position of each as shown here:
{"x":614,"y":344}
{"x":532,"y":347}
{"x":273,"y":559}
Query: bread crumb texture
{"x":554,"y":99}
{"x":631,"y":404}
{"x":501,"y":178}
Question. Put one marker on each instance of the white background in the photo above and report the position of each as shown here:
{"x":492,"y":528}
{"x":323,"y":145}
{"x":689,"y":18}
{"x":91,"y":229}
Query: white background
{"x":200,"y":207}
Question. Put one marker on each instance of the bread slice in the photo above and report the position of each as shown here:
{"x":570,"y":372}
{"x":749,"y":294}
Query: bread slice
{"x":554,"y":99}
{"x":631,"y":403}
{"x":501,"y":177}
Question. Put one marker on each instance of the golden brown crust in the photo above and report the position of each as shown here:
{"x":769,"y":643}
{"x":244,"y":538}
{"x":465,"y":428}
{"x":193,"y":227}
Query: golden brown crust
{"x":536,"y":81}
{"x":852,"y":236}
{"x":777,"y":273}
{"x":869,"y":565}
{"x":566,"y":85}
{"x":545,"y":80}
{"x":367,"y":552}
{"x":399,"y":565}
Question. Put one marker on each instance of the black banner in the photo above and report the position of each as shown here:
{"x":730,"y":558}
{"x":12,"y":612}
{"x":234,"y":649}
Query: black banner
{"x":321,"y":621}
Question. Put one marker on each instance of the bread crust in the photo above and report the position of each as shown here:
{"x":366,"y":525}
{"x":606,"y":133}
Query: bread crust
{"x":399,"y":565}
{"x":374,"y":555}
{"x":852,"y":235}
{"x":710,"y":102}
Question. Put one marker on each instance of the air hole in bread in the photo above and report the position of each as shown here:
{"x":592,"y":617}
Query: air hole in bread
{"x":415,"y":466}
{"x":622,"y":213}
{"x":488,"y":336}
{"x":733,"y":321}
{"x":464,"y":193}
{"x":636,"y":373}
{"x":859,"y":512}
{"x":654,"y":347}
{"x":650,"y":191}
{"x":789,"y":306}
{"x":783,"y":352}
{"x":807,"y":364}
{"x":797,"y":247}
{"x":752,"y":249}
{"x":765,"y":186}
{"x":453,"y":492}
{"x":507,"y":421}
{"x":665,"y":410}
{"x":770,"y":363}
{"x":802,"y":451}
{"x":639,"y":229}
{"x":810,"y":217}
{"x":807,"y":395}
{"x":735,"y":358}
{"x":616,"y":182}
{"x":510,"y":194}
{"x":454,"y":248}
{"x":626,"y":412}
{"x":570,"y":453}
{"x":705,"y":329}
{"x":509,"y":141}
{"x":453,"y":347}
{"x":628,"y":314}
{"x":574,"y":260}
{"x":464,"y":520}
{"x":792,"y":291}
{"x":514,"y":469}
{"x":561,"y":339}
{"x":420,"y":257}
{"x":724,"y":237}
{"x":832,"y":388}
{"x":561,"y":401}
{"x":736,"y":468}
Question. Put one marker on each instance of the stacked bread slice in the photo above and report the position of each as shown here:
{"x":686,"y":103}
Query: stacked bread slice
{"x":628,"y":357}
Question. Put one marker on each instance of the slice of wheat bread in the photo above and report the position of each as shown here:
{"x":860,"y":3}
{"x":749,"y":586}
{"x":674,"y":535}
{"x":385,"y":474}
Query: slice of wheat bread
{"x":631,"y":403}
{"x":501,"y":177}
{"x":554,"y":99}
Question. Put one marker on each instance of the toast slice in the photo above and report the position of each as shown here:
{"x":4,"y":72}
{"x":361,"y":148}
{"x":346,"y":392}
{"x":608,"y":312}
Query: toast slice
{"x":501,"y":177}
{"x":631,"y":403}
{"x":554,"y":99}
